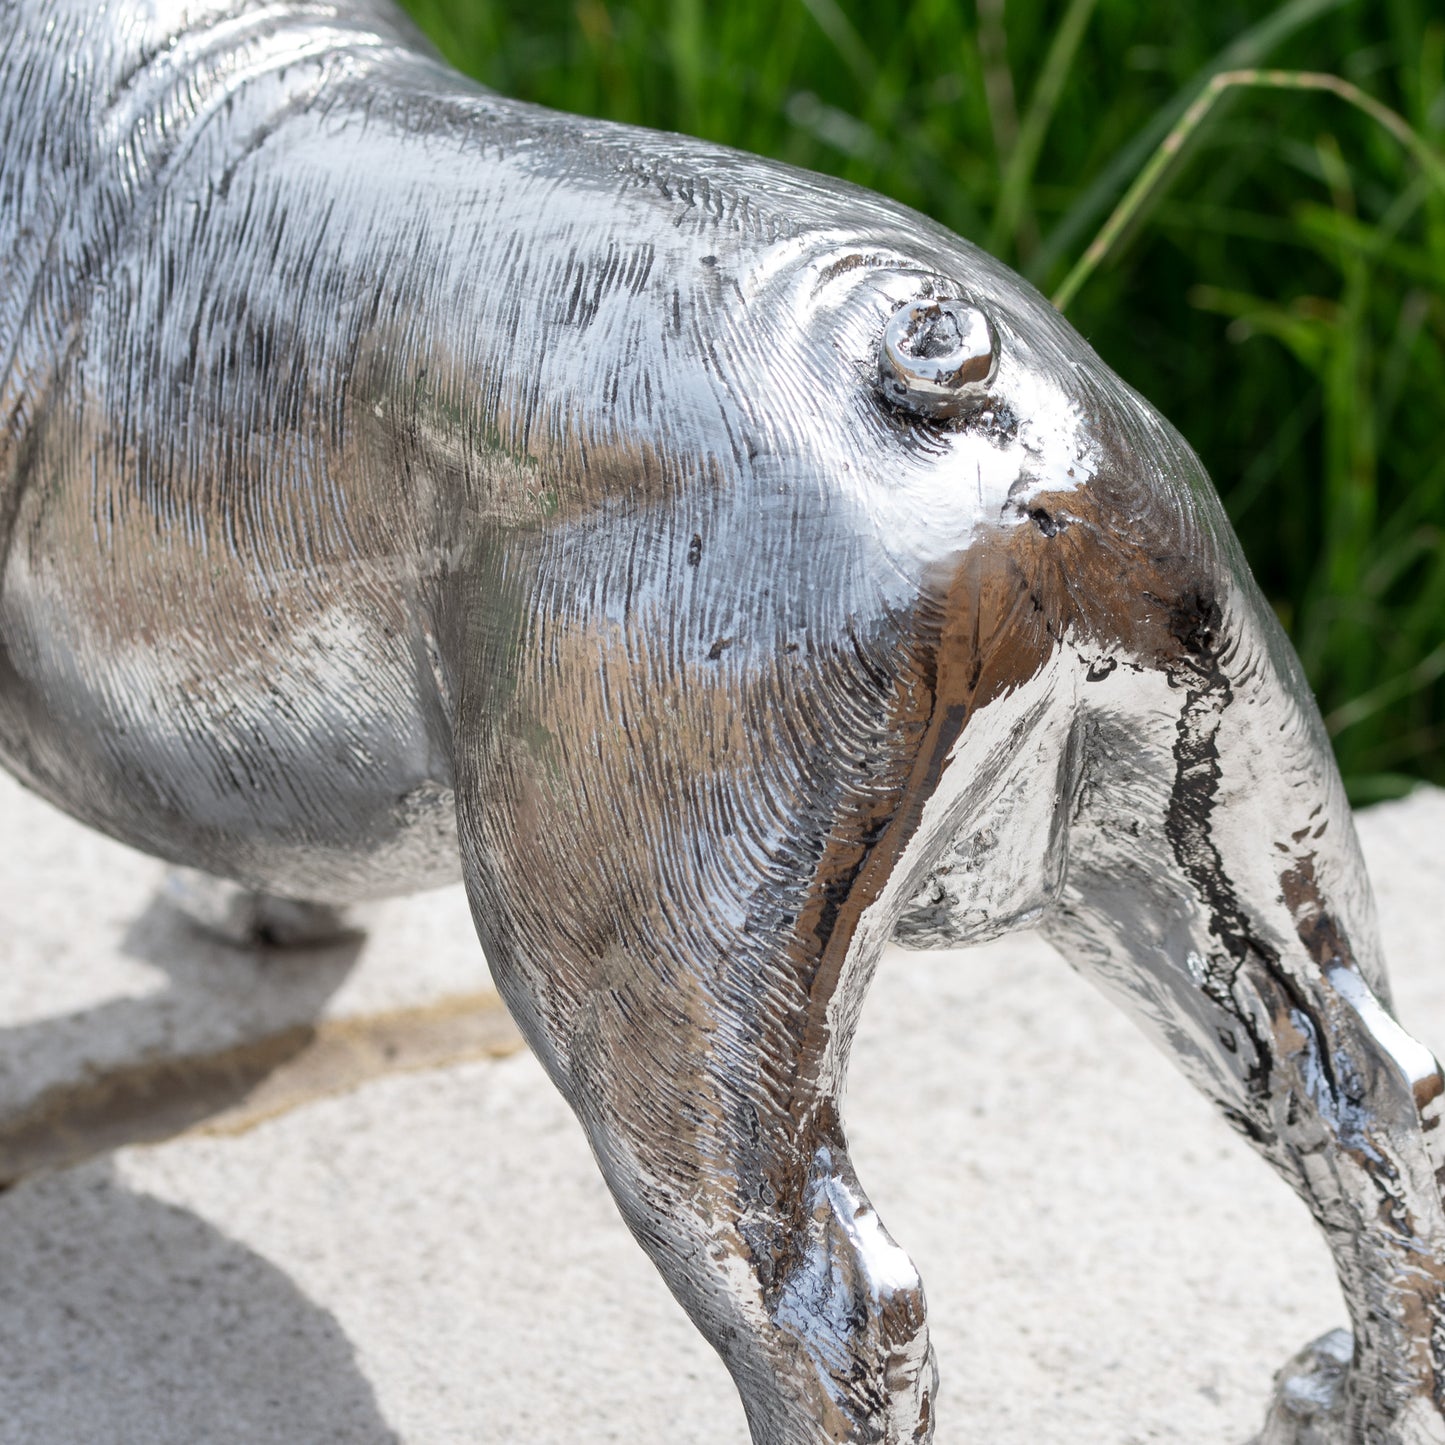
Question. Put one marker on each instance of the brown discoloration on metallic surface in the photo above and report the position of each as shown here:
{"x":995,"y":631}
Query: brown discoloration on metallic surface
{"x":1318,"y":930}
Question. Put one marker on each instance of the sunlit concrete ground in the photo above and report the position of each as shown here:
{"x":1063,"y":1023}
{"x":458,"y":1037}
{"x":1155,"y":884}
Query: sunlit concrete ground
{"x":386,"y":1228}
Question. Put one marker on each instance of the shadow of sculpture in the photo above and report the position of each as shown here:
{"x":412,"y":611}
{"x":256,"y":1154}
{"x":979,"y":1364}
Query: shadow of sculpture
{"x":120,"y":1308}
{"x":138,"y":1068}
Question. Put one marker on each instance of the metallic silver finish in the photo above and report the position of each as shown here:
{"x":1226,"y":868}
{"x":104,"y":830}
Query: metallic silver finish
{"x":937,"y":358}
{"x":398,"y":480}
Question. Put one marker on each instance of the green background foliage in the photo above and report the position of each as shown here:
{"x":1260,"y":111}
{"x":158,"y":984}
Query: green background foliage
{"x":1281,"y":298}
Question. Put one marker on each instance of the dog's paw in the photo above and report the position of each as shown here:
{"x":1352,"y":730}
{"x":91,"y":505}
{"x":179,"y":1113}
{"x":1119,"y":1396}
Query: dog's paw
{"x":1312,"y":1404}
{"x":249,"y":919}
{"x":1309,"y":1405}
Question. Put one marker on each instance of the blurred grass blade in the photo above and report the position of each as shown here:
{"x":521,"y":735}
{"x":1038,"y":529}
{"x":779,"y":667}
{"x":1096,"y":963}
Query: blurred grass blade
{"x":437,"y":19}
{"x":687,"y":50}
{"x":1246,"y":50}
{"x":1152,"y":177}
{"x":1429,"y":669}
{"x":1371,"y":242}
{"x":1018,"y":171}
{"x":847,"y":42}
{"x":998,"y":80}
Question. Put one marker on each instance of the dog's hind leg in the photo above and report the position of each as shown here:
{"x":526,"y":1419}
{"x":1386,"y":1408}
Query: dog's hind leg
{"x":673,"y":867}
{"x":1214,"y":886}
{"x":703,"y":1056}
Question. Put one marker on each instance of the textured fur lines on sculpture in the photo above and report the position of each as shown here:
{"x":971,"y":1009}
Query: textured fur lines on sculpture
{"x":723,"y":570}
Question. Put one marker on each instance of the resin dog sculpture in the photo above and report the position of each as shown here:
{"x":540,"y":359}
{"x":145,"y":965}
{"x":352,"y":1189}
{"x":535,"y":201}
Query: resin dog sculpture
{"x":724,"y":570}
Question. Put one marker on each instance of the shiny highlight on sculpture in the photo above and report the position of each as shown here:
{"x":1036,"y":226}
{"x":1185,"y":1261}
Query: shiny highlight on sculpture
{"x":722,"y":570}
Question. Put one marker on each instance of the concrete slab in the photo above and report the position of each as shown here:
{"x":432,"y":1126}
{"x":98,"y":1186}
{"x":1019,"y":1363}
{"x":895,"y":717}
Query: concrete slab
{"x":431,"y":1258}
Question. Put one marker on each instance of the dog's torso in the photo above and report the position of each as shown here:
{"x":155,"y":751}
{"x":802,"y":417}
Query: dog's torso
{"x":209,"y":638}
{"x":303,"y":440}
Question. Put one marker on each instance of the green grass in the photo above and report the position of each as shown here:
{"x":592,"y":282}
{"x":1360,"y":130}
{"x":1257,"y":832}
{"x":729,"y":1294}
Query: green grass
{"x":1279,"y":292}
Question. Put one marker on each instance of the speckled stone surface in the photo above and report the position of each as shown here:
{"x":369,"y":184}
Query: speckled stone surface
{"x":431,"y":1258}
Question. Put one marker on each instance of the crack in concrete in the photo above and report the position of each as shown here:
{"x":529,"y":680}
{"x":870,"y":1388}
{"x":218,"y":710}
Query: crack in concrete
{"x":231,"y":1090}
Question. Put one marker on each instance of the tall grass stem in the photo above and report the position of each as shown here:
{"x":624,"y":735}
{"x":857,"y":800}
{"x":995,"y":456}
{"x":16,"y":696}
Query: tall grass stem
{"x":1018,"y":170}
{"x":1153,"y":176}
{"x":1245,"y":50}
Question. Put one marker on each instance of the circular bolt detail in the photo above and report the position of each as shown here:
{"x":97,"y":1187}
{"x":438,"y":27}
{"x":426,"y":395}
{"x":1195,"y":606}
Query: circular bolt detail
{"x":937,"y":358}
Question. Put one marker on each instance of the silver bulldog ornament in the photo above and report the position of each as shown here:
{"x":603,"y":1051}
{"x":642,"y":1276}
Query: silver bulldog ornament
{"x":725,"y":570}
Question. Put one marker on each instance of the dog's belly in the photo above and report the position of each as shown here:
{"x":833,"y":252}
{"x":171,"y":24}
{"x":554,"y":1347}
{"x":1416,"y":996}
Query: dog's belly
{"x":278,"y":725}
